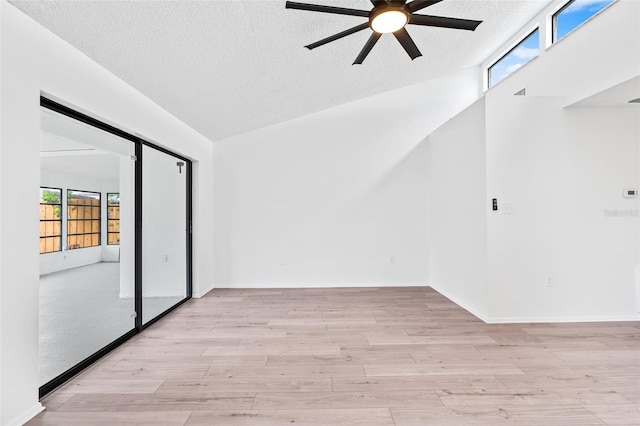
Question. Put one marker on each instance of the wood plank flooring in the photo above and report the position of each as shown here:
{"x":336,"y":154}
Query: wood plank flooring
{"x":355,"y":356}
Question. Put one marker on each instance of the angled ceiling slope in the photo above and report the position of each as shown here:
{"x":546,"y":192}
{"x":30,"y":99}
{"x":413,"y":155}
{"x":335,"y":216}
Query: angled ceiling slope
{"x":229,"y":67}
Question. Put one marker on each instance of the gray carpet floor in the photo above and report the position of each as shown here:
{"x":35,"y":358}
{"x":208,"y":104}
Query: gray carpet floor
{"x":81,"y":312}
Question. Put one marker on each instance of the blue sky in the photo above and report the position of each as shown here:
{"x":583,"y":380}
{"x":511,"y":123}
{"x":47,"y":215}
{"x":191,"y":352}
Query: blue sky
{"x":576,"y":13}
{"x":520,"y":55}
{"x":568,"y":19}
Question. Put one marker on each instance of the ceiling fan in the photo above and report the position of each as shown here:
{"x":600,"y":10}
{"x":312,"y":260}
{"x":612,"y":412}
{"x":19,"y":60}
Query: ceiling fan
{"x":387,"y":16}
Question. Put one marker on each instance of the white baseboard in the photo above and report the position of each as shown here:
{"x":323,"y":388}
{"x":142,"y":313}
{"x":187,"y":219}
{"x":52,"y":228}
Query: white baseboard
{"x":638,"y":288}
{"x":464,"y":306}
{"x":542,"y":319}
{"x":26,"y":416}
{"x":316,"y":285}
{"x":599,"y":318}
{"x":198,"y":293}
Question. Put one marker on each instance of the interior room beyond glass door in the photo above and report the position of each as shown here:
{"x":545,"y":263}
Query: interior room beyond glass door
{"x":164,"y":232}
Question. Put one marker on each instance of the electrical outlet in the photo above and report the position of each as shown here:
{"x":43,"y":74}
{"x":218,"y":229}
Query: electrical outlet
{"x":550,"y":282}
{"x":392,"y":259}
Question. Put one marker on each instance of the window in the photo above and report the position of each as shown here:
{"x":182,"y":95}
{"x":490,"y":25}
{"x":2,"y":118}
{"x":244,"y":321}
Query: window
{"x":50,"y":220}
{"x":573,"y":14}
{"x":522,"y":53}
{"x":113,"y":218}
{"x":83,"y":219}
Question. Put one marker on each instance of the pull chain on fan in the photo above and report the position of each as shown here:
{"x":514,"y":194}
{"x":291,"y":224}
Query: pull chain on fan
{"x":387,"y":16}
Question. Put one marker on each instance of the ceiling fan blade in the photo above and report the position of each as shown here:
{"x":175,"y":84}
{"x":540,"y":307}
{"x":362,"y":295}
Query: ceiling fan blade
{"x":407,"y":42}
{"x":338,"y":36}
{"x":441,"y":21}
{"x":326,"y":9}
{"x":367,"y":47}
{"x":417,"y":5}
{"x":377,"y":3}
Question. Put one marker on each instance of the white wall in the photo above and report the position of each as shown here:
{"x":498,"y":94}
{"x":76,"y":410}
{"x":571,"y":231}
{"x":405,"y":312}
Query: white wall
{"x":2,"y":235}
{"x":33,"y":62}
{"x":458,"y":204}
{"x":552,"y":251}
{"x":336,"y":198}
{"x":19,"y":263}
{"x":561,"y":170}
{"x":127,"y":228}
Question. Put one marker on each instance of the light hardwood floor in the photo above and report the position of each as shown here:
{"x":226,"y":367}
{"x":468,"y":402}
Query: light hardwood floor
{"x":356,"y":356}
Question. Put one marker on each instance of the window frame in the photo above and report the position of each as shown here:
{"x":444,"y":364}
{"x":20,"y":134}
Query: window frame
{"x":508,"y":52}
{"x":59,"y":220}
{"x":99,"y":220}
{"x":562,"y":8}
{"x":109,"y":220}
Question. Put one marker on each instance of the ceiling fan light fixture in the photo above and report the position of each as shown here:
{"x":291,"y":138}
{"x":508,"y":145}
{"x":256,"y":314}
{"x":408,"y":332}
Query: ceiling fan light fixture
{"x":386,"y":16}
{"x":389,"y":20}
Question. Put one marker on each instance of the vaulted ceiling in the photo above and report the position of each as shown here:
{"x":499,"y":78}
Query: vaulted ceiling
{"x":228,"y":67}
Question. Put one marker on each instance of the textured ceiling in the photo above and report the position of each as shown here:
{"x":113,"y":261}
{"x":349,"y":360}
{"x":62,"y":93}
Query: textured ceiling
{"x":228,"y":67}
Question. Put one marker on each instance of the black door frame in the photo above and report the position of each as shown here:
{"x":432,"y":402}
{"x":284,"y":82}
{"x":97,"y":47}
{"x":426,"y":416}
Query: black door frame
{"x":138,"y":326}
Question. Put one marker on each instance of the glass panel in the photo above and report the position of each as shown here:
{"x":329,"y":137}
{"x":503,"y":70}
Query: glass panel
{"x":164,"y":238}
{"x":86,"y":296}
{"x":50,"y":220}
{"x":525,"y":51}
{"x":83,"y":219}
{"x":113,"y":215}
{"x":574,"y":13}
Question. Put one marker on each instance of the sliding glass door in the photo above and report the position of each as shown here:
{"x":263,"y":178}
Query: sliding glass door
{"x":165,"y":231}
{"x":115,"y":241}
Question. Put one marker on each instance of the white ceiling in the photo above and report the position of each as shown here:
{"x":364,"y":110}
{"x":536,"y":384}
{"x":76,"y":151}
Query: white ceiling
{"x":97,"y":166}
{"x":228,"y":67}
{"x":71,"y":147}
